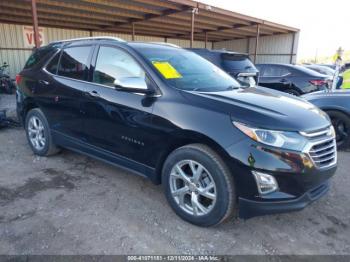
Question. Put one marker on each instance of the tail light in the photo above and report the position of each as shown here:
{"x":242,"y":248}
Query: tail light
{"x":319,"y":82}
{"x":18,"y":79}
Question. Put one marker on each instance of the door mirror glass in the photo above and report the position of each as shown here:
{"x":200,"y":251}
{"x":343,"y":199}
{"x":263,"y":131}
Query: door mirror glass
{"x":136,"y":84}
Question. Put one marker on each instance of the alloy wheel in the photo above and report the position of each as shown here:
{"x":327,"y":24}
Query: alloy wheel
{"x":192,"y":187}
{"x":36,"y":133}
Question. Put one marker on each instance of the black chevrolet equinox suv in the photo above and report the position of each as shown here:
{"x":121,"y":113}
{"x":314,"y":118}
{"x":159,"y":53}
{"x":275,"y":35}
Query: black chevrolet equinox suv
{"x":168,"y":114}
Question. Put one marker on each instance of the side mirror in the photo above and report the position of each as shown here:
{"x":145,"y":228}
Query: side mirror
{"x":132,"y":84}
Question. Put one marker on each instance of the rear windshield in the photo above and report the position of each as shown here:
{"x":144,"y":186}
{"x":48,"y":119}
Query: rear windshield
{"x":37,"y":56}
{"x":237,"y":62}
{"x":322,"y":70}
{"x":306,"y":71}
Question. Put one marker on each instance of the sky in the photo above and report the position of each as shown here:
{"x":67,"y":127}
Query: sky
{"x":324,"y":25}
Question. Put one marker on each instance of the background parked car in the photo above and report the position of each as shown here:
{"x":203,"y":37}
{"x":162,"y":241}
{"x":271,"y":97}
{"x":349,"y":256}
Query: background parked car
{"x":337,"y":105}
{"x":331,"y":66}
{"x":292,"y":79}
{"x":237,"y":65}
{"x":325,"y":70}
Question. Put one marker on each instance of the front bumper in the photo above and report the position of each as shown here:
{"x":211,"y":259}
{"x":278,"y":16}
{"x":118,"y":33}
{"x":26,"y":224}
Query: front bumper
{"x":251,"y":208}
{"x":299,"y":180}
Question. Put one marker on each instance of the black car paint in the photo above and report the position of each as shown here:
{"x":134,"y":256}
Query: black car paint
{"x":138,"y":131}
{"x":298,"y":79}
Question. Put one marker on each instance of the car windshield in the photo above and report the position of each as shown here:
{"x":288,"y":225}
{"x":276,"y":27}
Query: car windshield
{"x":186,"y":70}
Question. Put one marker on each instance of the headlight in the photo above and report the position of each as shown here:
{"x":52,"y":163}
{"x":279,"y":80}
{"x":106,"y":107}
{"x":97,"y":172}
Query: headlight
{"x":281,"y":139}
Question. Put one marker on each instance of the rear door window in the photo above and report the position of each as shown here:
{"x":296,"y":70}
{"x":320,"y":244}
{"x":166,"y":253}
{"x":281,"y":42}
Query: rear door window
{"x":37,"y":56}
{"x":53,"y":65}
{"x":74,"y":62}
{"x":275,"y":71}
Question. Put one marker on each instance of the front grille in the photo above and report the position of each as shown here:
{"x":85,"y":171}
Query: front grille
{"x":323,"y":150}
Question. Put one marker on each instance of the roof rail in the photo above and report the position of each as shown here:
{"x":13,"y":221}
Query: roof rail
{"x":163,"y":43}
{"x":89,"y":38}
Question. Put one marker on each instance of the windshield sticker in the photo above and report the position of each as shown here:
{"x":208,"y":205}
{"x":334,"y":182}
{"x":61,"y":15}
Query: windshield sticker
{"x":166,"y":69}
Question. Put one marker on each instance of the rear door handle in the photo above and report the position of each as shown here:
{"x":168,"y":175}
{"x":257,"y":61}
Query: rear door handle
{"x":93,"y":93}
{"x":283,"y":80}
{"x":44,"y":82}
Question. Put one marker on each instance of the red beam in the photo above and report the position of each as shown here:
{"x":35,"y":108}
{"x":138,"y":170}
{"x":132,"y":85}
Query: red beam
{"x":35,"y":24}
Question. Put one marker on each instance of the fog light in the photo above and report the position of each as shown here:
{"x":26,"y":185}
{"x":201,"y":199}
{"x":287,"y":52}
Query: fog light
{"x":266,"y":183}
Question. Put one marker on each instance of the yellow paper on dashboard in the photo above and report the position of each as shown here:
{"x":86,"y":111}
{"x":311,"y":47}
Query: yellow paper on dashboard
{"x":166,"y":69}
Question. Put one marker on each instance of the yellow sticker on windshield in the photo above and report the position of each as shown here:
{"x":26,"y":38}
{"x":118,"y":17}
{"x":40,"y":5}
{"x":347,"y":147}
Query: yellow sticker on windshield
{"x":166,"y":69}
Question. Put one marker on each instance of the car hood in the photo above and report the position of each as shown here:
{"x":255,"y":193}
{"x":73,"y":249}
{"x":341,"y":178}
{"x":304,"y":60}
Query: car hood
{"x":264,"y":108}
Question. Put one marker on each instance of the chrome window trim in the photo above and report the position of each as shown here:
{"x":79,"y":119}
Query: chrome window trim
{"x":84,"y":81}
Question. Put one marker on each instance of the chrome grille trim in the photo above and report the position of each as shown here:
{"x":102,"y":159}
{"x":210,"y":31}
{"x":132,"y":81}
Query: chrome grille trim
{"x":322,"y":148}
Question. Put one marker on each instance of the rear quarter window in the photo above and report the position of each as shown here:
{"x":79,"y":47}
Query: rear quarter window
{"x":37,"y":56}
{"x":53,"y":64}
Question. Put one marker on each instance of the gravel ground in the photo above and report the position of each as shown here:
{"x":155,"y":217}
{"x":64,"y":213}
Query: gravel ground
{"x":72,"y":204}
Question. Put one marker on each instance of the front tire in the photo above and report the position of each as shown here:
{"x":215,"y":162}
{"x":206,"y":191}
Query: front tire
{"x":199,"y":186}
{"x":38,"y":133}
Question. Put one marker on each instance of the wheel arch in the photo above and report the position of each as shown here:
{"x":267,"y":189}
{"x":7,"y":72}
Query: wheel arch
{"x":336,"y":109}
{"x":28,"y":105}
{"x":184,"y":138}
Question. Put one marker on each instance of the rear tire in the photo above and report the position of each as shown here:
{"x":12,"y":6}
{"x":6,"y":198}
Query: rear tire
{"x":341,"y":124}
{"x":39,"y":134}
{"x":204,"y":200}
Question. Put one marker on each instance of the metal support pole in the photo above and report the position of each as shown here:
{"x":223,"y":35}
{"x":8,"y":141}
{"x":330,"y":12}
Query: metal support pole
{"x":194,"y":12}
{"x":248,"y":45}
{"x":35,"y":24}
{"x":90,"y":33}
{"x":206,"y":39}
{"x":292,"y":51}
{"x":166,"y":39}
{"x":133,"y":31}
{"x":256,"y":42}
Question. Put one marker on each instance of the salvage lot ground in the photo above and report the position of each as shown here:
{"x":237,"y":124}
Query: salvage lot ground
{"x":72,"y":204}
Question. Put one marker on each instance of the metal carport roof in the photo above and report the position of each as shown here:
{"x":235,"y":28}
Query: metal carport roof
{"x":183,"y":19}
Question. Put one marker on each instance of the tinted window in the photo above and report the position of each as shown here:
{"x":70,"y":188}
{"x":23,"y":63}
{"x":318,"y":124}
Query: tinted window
{"x":186,"y":70}
{"x":114,"y":64}
{"x":74,"y":62}
{"x":322,"y":70}
{"x":236,"y":62}
{"x":37,"y":56}
{"x":52,"y":66}
{"x":276,"y":71}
